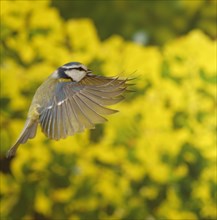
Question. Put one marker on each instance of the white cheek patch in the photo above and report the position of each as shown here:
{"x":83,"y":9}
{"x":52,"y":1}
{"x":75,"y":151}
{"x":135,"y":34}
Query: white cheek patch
{"x":76,"y":75}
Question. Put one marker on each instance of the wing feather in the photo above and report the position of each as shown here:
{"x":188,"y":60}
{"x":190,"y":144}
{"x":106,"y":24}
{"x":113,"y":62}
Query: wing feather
{"x":48,"y":123}
{"x":93,"y":116}
{"x":62,"y":122}
{"x":97,"y":107}
{"x":108,"y":94}
{"x":76,"y":106}
{"x":78,"y":127}
{"x":43,"y":119}
{"x":67,"y":119}
{"x":82,"y":117}
{"x":53,"y":126}
{"x":102,"y":100}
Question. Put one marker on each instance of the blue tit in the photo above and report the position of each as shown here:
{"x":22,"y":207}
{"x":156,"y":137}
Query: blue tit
{"x":71,"y":100}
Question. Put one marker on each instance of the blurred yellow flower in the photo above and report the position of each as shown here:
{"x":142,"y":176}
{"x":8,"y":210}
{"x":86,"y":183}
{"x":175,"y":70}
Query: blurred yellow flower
{"x":156,"y":159}
{"x":42,"y":204}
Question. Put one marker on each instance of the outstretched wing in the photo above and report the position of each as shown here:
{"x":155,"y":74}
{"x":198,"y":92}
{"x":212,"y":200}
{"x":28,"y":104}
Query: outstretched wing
{"x":77,"y":106}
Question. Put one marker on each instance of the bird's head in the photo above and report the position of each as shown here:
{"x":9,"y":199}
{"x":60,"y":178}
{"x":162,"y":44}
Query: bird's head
{"x":73,"y":70}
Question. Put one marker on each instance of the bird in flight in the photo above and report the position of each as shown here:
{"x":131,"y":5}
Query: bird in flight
{"x":71,"y":100}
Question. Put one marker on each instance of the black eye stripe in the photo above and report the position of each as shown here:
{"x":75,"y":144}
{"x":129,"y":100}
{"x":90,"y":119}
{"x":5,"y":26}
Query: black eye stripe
{"x":79,"y":68}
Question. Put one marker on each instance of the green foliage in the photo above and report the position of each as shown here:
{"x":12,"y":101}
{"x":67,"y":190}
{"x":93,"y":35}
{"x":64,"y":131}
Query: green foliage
{"x":156,"y":159}
{"x":158,"y":20}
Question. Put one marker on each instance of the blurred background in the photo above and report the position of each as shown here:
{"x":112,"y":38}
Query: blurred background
{"x":156,"y":158}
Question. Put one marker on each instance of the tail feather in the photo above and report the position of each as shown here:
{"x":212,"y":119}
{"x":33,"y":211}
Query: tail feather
{"x":29,"y":131}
